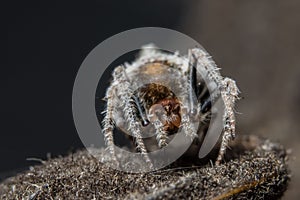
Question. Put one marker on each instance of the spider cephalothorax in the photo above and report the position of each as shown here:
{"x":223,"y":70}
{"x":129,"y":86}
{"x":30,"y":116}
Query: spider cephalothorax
{"x":160,"y":93}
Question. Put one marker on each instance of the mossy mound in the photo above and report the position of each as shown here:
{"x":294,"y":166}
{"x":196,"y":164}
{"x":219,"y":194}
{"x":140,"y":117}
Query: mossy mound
{"x":257,"y":170}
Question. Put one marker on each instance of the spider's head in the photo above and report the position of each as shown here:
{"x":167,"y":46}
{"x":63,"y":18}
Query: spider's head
{"x":167,"y":111}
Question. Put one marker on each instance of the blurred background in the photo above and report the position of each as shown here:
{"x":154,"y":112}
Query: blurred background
{"x":254,"y":42}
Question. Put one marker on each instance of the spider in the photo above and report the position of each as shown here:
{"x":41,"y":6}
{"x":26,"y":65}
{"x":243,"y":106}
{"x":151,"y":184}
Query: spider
{"x":161,"y":92}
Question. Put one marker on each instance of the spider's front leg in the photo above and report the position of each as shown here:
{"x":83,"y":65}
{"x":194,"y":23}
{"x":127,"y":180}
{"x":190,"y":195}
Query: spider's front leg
{"x":120,"y":95}
{"x":191,"y":111}
{"x":229,"y":92}
{"x":161,"y":134}
{"x":128,"y":101}
{"x":187,"y":125}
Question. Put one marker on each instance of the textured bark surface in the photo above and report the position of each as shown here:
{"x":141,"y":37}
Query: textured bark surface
{"x":255,"y":168}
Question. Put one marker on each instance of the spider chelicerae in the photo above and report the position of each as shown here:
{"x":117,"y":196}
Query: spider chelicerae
{"x":160,"y":93}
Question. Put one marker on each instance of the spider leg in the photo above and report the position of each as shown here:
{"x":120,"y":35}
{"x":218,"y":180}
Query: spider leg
{"x":191,"y":87}
{"x":108,"y":122}
{"x":126,"y":95}
{"x":161,"y":134}
{"x":188,"y":127}
{"x":141,"y":111}
{"x":192,"y":81}
{"x":228,"y":91}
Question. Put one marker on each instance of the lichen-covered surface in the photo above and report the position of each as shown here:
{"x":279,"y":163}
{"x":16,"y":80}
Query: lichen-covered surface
{"x":257,"y":169}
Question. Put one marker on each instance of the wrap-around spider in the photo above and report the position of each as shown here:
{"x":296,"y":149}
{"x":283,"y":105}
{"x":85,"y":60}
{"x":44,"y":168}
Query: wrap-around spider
{"x":162,"y":92}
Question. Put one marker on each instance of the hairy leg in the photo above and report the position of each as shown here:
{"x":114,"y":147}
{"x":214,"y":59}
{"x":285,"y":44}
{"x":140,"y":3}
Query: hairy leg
{"x":108,"y":122}
{"x":189,"y":129}
{"x":161,"y":134}
{"x":126,"y":95}
{"x":228,"y":91}
{"x":190,"y":89}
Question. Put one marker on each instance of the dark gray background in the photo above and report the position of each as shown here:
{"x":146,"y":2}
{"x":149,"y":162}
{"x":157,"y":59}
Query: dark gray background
{"x":255,"y":42}
{"x":46,"y":44}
